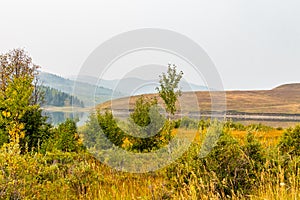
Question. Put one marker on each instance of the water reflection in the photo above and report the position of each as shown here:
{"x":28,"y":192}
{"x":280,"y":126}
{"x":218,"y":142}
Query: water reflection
{"x":57,"y":117}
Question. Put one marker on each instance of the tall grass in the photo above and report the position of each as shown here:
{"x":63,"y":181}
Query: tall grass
{"x":241,"y":166}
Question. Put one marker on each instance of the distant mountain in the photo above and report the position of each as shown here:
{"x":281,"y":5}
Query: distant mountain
{"x":135,"y":86}
{"x":88,"y":93}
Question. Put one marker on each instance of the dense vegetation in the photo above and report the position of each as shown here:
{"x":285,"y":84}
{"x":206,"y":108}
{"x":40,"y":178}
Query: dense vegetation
{"x":54,"y":97}
{"x":225,"y":160}
{"x":21,"y":119}
{"x":238,"y":167}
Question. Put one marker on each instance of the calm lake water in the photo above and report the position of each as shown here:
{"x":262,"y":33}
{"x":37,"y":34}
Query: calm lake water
{"x":57,"y":117}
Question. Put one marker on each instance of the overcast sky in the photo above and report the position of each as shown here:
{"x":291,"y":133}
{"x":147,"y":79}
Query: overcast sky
{"x":254,"y":44}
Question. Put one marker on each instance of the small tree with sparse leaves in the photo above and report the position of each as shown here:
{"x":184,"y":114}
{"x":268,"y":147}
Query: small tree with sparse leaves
{"x":169,"y":89}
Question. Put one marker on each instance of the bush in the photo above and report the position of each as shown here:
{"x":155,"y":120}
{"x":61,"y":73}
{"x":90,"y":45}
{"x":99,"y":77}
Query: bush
{"x":229,"y":168}
{"x":147,"y":129}
{"x":64,"y":138}
{"x":188,"y":123}
{"x":37,"y":130}
{"x":101,"y":131}
{"x":230,"y":125}
{"x":259,"y":127}
{"x":290,"y":141}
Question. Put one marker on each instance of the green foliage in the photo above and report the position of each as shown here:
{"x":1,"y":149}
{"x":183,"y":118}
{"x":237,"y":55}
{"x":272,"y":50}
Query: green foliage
{"x":146,"y":125}
{"x":145,"y":120}
{"x":110,"y":128}
{"x":229,"y":168}
{"x":259,"y":127}
{"x":21,"y":121}
{"x":290,"y":141}
{"x":230,"y":125}
{"x":101,"y":131}
{"x":232,"y":170}
{"x":15,"y":102}
{"x":168,"y":89}
{"x":140,"y":115}
{"x":50,"y":176}
{"x":37,"y":130}
{"x":64,"y":138}
{"x":4,"y":137}
{"x":187,"y":123}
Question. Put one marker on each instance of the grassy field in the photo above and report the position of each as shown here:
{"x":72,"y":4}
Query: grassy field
{"x":58,"y":175}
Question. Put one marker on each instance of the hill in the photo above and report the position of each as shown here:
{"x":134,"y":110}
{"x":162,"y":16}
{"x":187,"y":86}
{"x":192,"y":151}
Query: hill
{"x":54,"y":97}
{"x":86,"y":92}
{"x":282,"y":100}
{"x":133,"y":85}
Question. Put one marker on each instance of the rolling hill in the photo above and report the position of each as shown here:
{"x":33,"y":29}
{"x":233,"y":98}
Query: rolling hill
{"x":282,"y":100}
{"x":54,"y":97}
{"x":88,"y":93}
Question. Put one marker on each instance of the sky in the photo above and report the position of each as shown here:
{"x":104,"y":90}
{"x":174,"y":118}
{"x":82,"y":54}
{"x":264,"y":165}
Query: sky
{"x":253,"y":44}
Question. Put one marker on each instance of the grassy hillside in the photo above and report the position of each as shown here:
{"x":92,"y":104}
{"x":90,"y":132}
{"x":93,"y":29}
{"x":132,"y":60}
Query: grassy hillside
{"x":284,"y":99}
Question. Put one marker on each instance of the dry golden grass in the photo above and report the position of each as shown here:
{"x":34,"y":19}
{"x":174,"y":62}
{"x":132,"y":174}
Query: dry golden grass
{"x":87,"y":178}
{"x":268,"y":138}
{"x":283,"y":99}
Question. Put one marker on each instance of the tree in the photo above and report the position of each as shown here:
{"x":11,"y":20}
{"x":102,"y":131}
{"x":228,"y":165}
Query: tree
{"x":19,"y":100}
{"x":141,"y":114}
{"x":146,"y":125}
{"x":14,"y":104}
{"x":15,"y":64}
{"x":65,"y":138}
{"x":169,"y":88}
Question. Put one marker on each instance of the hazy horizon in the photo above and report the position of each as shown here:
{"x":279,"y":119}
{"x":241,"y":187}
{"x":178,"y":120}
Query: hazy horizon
{"x":74,"y":77}
{"x":254,"y":44}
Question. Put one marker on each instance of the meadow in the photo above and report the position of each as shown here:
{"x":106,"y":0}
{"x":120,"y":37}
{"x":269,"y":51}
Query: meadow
{"x":176,"y":158}
{"x":248,"y":162}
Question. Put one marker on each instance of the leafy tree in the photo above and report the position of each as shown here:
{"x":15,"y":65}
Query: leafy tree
{"x":146,"y":125}
{"x":64,"y":138}
{"x":19,"y":99}
{"x":146,"y":129}
{"x":15,"y":64}
{"x":110,"y":128}
{"x":37,"y":130}
{"x":169,"y":88}
{"x":15,"y":103}
{"x":146,"y":116}
{"x":101,"y":131}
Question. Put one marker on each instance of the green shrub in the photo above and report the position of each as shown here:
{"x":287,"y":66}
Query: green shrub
{"x":37,"y":130}
{"x":290,"y":141}
{"x":229,"y":169}
{"x":230,"y":125}
{"x":64,"y":138}
{"x":188,"y":123}
{"x":259,"y":127}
